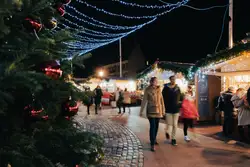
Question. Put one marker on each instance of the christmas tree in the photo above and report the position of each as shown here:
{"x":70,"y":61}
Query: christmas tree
{"x":33,"y":128}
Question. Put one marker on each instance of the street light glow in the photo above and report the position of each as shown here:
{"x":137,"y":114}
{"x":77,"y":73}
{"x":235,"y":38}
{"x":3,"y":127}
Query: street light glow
{"x":101,"y":73}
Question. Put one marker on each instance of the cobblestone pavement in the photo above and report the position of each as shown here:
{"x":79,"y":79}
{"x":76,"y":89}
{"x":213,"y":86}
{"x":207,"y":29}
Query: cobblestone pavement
{"x":122,"y":147}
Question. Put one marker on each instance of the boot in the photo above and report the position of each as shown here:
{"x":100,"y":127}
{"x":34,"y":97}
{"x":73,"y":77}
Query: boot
{"x":152,"y":148}
{"x":167,"y":136}
{"x":174,"y":142}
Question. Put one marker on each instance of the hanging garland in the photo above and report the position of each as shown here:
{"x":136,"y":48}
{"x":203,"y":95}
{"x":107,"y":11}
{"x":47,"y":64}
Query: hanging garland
{"x":224,"y":55}
{"x":169,"y":66}
{"x":180,"y":67}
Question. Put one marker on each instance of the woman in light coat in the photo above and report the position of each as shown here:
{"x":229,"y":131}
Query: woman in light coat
{"x":126,"y":99}
{"x":155,"y":109}
{"x":240,"y":102}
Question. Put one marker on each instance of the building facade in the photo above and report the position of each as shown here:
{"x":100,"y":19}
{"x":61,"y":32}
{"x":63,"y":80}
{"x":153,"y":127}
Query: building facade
{"x":130,"y":67}
{"x":113,"y":70}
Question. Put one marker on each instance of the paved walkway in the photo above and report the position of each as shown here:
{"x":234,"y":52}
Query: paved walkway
{"x":127,"y":144}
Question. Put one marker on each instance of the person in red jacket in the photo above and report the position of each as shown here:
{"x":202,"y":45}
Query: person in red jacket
{"x":188,"y":112}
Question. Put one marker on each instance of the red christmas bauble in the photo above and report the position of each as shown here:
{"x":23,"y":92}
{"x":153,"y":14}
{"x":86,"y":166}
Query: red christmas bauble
{"x":36,"y":112}
{"x":53,"y":73}
{"x":70,"y":108}
{"x":60,"y":9}
{"x":66,"y":2}
{"x":31,"y":25}
{"x":51,"y":24}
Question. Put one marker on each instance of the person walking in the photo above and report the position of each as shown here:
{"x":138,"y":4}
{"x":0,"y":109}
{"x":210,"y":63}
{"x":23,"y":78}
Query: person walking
{"x":228,"y":109}
{"x":188,"y":112}
{"x":89,"y":101}
{"x":172,"y":95}
{"x":120,"y":101}
{"x":98,"y":98}
{"x":155,"y":109}
{"x":126,"y":99}
{"x":117,"y":94}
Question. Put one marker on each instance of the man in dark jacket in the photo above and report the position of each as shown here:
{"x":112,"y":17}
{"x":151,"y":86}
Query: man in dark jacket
{"x":171,"y":94}
{"x":89,"y":101}
{"x":98,"y":98}
{"x":228,"y":108}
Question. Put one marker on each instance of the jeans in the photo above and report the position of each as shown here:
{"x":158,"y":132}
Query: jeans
{"x":242,"y":133}
{"x":88,"y":106}
{"x":172,"y":124}
{"x":96,"y":107}
{"x":154,"y":124}
{"x":187,"y":123}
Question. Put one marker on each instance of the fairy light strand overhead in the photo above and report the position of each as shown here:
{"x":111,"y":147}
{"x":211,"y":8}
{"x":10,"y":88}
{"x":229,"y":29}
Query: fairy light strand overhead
{"x":94,"y":33}
{"x":165,"y":7}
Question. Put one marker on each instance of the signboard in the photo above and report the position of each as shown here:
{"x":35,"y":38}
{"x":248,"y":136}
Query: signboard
{"x":203,"y":96}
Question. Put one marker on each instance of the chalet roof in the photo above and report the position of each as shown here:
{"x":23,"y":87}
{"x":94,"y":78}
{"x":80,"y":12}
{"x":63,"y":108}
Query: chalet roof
{"x":168,"y":65}
{"x":224,"y":55}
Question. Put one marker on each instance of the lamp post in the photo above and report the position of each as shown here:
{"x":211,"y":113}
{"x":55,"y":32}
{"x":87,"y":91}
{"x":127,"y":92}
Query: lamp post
{"x":120,"y":54}
{"x":230,"y":35}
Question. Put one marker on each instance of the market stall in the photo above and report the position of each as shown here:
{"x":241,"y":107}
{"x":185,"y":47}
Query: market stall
{"x":215,"y":74}
{"x":109,"y":86}
{"x":163,"y":70}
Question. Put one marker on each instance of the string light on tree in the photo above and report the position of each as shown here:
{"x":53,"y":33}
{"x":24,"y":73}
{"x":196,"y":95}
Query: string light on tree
{"x":51,"y":24}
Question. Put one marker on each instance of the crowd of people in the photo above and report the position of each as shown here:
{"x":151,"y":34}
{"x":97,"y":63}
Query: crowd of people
{"x":235,"y":105}
{"x":168,"y":103}
{"x":122,"y":99}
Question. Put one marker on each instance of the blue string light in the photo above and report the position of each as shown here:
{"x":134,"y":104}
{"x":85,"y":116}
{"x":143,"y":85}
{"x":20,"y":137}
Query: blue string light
{"x":94,"y":33}
{"x":143,"y":6}
{"x":85,"y":47}
{"x":94,"y":46}
{"x":201,"y":9}
{"x":92,"y":40}
{"x":101,"y":26}
{"x":85,"y":44}
{"x":73,"y":52}
{"x":109,"y":26}
{"x":105,"y":43}
{"x":133,"y":17}
{"x":98,"y":35}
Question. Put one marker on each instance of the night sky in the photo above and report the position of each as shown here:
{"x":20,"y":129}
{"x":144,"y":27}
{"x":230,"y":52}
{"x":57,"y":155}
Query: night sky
{"x":183,"y":35}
